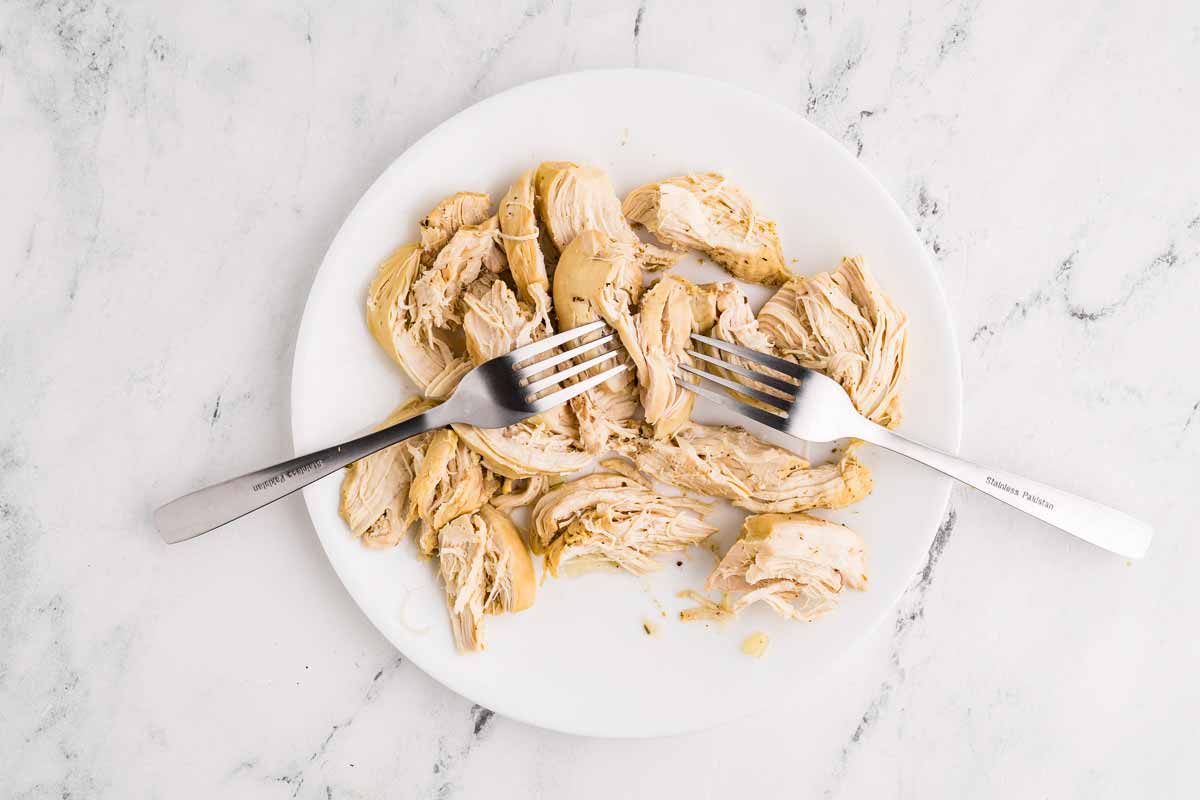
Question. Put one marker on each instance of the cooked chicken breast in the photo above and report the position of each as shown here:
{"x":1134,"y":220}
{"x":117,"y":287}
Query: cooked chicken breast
{"x":375,"y":489}
{"x":495,"y":322}
{"x":426,"y":356}
{"x":598,"y":278}
{"x":707,"y":213}
{"x":729,"y":462}
{"x":595,"y":270}
{"x":734,"y":321}
{"x":449,"y":480}
{"x":547,"y":444}
{"x":842,"y":324}
{"x":452,"y":213}
{"x":436,"y":291}
{"x":609,"y":518}
{"x":519,"y":233}
{"x":540,"y":445}
{"x":795,"y":563}
{"x":573,"y":198}
{"x":485,"y":569}
{"x":658,"y":345}
{"x":520,"y":492}
{"x":604,"y":418}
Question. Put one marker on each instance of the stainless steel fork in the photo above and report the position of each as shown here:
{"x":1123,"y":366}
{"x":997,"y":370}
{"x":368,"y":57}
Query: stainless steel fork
{"x":808,"y":405}
{"x":495,"y":394}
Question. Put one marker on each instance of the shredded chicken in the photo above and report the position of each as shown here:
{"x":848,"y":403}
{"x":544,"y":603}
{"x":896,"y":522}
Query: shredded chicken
{"x":436,"y":292}
{"x":546,"y":444}
{"x":728,"y":462}
{"x":519,"y":233}
{"x":520,"y":492}
{"x":560,"y":249}
{"x":597,"y":277}
{"x":734,"y":320}
{"x":449,"y":480}
{"x":604,"y":418}
{"x":426,"y":356}
{"x":497,"y":323}
{"x":611,"y":518}
{"x":842,"y":324}
{"x":794,"y":563}
{"x":452,"y":213}
{"x":486,"y":570}
{"x":540,"y":445}
{"x":572,"y":198}
{"x":375,"y":489}
{"x":657,"y":345}
{"x":706,"y":212}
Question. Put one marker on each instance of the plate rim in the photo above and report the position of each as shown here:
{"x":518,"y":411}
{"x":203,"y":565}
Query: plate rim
{"x":944,"y":323}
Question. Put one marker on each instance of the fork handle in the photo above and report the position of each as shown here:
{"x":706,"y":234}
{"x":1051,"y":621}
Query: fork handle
{"x":211,"y":507}
{"x":1091,"y":521}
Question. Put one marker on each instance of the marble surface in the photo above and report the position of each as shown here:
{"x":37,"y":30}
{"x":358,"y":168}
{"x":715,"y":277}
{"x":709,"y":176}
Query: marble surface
{"x":171,"y":178}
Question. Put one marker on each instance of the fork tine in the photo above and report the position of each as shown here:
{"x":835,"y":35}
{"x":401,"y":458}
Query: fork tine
{"x":533,"y":387}
{"x":771,"y":362}
{"x":538,"y":367}
{"x":563,"y":395}
{"x":550,"y":342}
{"x":740,"y":388}
{"x":757,"y":414}
{"x":775,"y":383}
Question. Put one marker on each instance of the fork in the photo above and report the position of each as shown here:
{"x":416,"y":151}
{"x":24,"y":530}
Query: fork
{"x":495,"y":394}
{"x":808,"y":405}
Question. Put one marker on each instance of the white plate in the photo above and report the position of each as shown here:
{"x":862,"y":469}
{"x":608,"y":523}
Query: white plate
{"x":579,"y":660}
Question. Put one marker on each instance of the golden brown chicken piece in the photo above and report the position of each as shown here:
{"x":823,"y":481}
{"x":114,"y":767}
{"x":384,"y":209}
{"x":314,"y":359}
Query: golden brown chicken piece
{"x":496,"y":322}
{"x":485,"y":569}
{"x":434,"y":299}
{"x":598,"y":278}
{"x":573,"y":198}
{"x":842,"y":324}
{"x":707,"y":213}
{"x":426,"y":355}
{"x":795,"y":563}
{"x":519,"y":233}
{"x":454,"y":212}
{"x":606,"y":518}
{"x":657,"y":346}
{"x":728,"y":462}
{"x":375,"y":490}
{"x":449,"y":480}
{"x":520,"y":492}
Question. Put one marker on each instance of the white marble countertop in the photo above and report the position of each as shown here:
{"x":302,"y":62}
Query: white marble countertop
{"x":170,"y":182}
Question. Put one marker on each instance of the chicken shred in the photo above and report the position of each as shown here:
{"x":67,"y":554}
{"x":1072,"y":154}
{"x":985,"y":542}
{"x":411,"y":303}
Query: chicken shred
{"x":374,"y":496}
{"x":449,"y":481}
{"x":573,"y":198}
{"x":598,"y":278}
{"x":436,"y":292}
{"x":520,"y":492}
{"x":794,"y":563}
{"x":425,"y":355}
{"x":546,"y":444}
{"x":728,"y":462}
{"x":659,"y":342}
{"x":454,"y":212}
{"x":605,"y":517}
{"x":842,"y":324}
{"x":485,"y":569}
{"x":707,"y":213}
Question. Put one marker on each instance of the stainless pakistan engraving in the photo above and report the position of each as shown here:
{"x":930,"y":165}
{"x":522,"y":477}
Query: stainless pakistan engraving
{"x":1021,"y":493}
{"x":275,"y":480}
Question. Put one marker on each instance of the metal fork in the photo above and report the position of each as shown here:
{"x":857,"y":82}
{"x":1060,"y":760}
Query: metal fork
{"x":495,"y":394}
{"x":808,"y":405}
